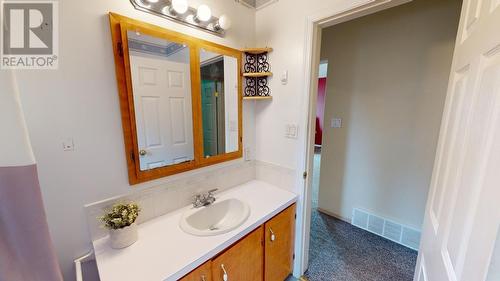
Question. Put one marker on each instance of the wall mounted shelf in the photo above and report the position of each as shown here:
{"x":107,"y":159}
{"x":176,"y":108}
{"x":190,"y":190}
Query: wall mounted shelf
{"x":256,"y":71}
{"x":257,"y":74}
{"x":257,"y":51}
{"x":258,"y":98}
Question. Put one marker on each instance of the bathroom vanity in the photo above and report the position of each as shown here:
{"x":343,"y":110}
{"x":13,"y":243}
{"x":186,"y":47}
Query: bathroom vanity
{"x":261,"y":248}
{"x":181,"y":107}
{"x":266,"y":251}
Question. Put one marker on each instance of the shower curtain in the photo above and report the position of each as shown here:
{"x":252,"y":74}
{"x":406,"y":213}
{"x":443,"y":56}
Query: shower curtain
{"x":26,"y":249}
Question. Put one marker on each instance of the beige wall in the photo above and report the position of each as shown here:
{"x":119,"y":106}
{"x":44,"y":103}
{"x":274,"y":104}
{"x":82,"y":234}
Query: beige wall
{"x":387,"y":80}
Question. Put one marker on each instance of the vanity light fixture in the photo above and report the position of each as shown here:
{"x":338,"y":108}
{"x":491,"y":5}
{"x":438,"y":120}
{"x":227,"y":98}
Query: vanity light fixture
{"x":203,"y":13}
{"x":179,"y":6}
{"x":180,"y":11}
{"x":224,"y":23}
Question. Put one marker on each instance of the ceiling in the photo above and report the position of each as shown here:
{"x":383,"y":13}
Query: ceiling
{"x":256,"y":3}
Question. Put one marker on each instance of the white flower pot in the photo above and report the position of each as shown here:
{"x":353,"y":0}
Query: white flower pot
{"x":123,"y":237}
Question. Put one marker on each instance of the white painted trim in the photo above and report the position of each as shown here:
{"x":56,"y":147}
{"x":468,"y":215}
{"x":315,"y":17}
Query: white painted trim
{"x":312,"y":38}
{"x":78,"y":264}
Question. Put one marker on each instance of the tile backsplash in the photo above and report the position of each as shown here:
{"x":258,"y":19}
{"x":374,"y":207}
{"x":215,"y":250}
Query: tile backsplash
{"x":179,"y":191}
{"x":278,"y":176}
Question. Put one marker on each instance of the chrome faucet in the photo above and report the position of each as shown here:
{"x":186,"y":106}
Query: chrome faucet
{"x":204,"y":199}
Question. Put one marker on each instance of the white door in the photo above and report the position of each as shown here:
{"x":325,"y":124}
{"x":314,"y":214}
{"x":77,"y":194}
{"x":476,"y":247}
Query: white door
{"x":463,"y":211}
{"x":162,"y":102}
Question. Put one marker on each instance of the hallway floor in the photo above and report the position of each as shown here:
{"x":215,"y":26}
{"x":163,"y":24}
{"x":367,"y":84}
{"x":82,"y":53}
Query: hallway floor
{"x":340,"y":251}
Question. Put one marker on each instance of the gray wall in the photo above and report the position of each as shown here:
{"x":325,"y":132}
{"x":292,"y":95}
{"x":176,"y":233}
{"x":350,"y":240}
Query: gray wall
{"x":387,"y":79}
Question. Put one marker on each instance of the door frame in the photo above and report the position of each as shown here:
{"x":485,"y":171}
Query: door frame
{"x":314,"y":25}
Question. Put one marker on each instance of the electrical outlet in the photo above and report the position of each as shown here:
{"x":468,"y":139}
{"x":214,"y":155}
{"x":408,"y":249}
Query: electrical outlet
{"x":68,"y":144}
{"x":247,"y":154}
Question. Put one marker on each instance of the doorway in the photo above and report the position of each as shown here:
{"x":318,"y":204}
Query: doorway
{"x":212,"y":102}
{"x":376,"y":157}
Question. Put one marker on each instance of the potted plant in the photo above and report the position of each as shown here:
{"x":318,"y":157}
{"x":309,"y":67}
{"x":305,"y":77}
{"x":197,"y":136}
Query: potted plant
{"x":120,"y":220}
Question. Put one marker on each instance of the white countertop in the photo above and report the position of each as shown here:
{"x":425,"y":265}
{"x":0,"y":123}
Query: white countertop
{"x":165,"y":252}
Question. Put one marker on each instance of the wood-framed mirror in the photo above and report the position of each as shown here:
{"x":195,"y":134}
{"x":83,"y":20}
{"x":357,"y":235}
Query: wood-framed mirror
{"x":180,"y":99}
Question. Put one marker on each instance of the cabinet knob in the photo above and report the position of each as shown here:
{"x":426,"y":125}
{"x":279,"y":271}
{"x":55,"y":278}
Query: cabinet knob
{"x":273,"y":236}
{"x":203,"y":278}
{"x":225,"y":277}
{"x":143,"y":152}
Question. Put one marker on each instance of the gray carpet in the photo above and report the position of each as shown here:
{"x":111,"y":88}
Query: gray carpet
{"x":342,"y":252}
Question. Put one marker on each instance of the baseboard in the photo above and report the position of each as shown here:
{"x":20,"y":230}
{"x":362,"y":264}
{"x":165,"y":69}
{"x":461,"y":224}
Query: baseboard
{"x":348,"y":220}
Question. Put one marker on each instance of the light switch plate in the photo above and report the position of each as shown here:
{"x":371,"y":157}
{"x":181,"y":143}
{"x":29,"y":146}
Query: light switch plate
{"x":336,"y":123}
{"x":284,"y":77}
{"x":291,"y":131}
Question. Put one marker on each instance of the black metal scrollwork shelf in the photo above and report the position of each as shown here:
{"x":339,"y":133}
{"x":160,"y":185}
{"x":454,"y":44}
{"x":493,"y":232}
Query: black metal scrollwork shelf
{"x":256,"y":72}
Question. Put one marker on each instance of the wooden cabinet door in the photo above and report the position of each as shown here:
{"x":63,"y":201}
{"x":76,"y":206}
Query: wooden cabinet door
{"x":279,"y":240}
{"x":201,"y":273}
{"x":243,"y":261}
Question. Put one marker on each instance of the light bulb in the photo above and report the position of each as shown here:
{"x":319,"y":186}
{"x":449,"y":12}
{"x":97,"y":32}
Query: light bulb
{"x":203,"y":13}
{"x":224,"y":22}
{"x":180,"y":6}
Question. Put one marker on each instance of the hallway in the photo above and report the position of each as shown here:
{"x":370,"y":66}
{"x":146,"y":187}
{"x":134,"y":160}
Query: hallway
{"x":340,"y":251}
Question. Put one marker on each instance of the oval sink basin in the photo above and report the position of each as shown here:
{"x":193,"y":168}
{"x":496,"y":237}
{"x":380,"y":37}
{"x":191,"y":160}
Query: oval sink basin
{"x":218,"y":218}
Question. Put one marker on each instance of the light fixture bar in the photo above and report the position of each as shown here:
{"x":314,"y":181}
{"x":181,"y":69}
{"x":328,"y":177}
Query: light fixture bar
{"x":163,"y":9}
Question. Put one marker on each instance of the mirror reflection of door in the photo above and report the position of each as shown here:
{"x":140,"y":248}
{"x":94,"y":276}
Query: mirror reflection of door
{"x":161,"y":86}
{"x":219,"y":100}
{"x":212,"y":100}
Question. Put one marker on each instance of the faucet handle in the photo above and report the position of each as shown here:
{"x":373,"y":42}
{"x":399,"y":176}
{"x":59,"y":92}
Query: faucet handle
{"x":197,"y":200}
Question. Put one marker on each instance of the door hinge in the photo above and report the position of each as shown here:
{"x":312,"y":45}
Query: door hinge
{"x":304,"y":175}
{"x":120,"y":49}
{"x":295,"y":216}
{"x":293,"y":256}
{"x":132,"y":156}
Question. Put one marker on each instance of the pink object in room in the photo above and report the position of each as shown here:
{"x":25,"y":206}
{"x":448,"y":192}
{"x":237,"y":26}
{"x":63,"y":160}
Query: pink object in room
{"x":26,"y":249}
{"x":320,"y":110}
